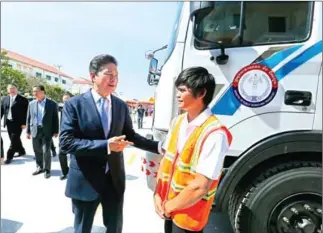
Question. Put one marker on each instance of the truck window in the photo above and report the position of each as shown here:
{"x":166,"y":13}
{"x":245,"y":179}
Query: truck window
{"x":174,"y":33}
{"x":265,"y":23}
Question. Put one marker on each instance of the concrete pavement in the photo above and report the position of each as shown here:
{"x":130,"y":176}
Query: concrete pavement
{"x":35,"y":204}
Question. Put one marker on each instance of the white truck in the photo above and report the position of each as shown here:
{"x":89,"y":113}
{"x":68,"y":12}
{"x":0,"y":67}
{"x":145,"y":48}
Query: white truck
{"x":266,"y":58}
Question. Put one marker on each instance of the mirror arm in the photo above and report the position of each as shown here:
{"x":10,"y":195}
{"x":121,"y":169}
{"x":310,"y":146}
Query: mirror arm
{"x":162,"y":48}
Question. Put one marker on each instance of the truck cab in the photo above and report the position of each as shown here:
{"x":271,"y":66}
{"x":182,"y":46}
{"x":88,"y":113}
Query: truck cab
{"x":266,"y":58}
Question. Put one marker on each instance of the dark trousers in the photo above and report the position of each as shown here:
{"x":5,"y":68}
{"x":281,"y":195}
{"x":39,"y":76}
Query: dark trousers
{"x":140,"y":122}
{"x":41,"y":146}
{"x":63,"y":162}
{"x":2,"y":155}
{"x":14,"y":132}
{"x":170,"y":227}
{"x":112,"y":210}
{"x":52,"y":146}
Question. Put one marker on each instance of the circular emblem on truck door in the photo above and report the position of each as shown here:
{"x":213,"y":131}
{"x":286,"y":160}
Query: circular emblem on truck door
{"x":255,"y":85}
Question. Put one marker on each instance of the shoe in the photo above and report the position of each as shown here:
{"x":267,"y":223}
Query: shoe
{"x":47,"y":174}
{"x":63,"y":177}
{"x":8,"y":161}
{"x":38,"y":171}
{"x":21,"y":154}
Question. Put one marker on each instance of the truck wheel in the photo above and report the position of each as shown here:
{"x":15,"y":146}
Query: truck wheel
{"x":287,"y":202}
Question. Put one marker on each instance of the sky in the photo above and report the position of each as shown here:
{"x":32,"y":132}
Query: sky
{"x":72,"y":33}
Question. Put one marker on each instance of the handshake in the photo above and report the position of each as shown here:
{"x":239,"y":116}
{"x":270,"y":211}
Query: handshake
{"x":117,"y":144}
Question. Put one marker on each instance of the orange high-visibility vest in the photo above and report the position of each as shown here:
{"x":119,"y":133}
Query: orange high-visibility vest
{"x":178,"y":170}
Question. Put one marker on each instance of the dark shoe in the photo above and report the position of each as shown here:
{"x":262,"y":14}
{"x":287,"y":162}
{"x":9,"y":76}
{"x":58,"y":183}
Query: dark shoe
{"x":54,"y":153}
{"x":38,"y":171}
{"x":63,"y":177}
{"x":47,"y":174}
{"x":22,"y":153}
{"x":8,"y":161}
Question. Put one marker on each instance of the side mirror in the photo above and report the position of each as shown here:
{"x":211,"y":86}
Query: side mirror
{"x":152,"y":80}
{"x":153,"y":66}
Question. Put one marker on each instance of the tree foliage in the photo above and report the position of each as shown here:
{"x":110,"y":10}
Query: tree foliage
{"x":10,"y":75}
{"x":54,"y":92}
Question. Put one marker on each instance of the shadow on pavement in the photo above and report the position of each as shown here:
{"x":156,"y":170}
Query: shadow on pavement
{"x":218,"y":223}
{"x":22,"y":160}
{"x":10,"y":226}
{"x":56,"y":172}
{"x":95,"y":229}
{"x":131,"y":177}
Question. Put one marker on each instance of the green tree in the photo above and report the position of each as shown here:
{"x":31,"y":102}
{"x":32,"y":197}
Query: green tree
{"x":54,"y":92}
{"x":9,"y":75}
{"x":32,"y":81}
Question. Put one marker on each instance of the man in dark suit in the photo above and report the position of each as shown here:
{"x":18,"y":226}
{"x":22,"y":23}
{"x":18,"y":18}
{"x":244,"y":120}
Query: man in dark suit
{"x":141,"y":113}
{"x":91,"y":132}
{"x":61,"y":155}
{"x":42,"y":125}
{"x":1,"y":151}
{"x":14,"y":109}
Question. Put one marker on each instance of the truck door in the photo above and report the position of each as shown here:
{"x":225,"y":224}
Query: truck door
{"x":269,"y":82}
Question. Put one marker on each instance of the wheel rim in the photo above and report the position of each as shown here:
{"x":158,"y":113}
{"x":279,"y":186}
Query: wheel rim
{"x":298,"y":213}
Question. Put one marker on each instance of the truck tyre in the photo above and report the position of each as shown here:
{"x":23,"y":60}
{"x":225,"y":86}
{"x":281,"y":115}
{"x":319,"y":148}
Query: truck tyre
{"x":287,"y":202}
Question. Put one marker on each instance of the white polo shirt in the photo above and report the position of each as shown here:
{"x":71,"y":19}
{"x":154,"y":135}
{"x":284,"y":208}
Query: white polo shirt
{"x":215,"y":147}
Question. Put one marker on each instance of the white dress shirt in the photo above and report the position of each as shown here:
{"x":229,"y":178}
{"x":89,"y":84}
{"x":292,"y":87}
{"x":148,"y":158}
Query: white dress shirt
{"x":213,"y":151}
{"x":11,"y":100}
{"x":108,"y":107}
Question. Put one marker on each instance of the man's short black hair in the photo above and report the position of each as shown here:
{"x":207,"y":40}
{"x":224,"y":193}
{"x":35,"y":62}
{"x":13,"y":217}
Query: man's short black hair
{"x":99,"y":61}
{"x":40,"y":87}
{"x":197,"y":79}
{"x":69,"y":94}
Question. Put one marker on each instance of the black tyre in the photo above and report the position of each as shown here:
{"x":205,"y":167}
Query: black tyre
{"x":287,"y":202}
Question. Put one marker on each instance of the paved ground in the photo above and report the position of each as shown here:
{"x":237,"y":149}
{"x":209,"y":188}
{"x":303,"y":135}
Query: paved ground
{"x":31,"y":204}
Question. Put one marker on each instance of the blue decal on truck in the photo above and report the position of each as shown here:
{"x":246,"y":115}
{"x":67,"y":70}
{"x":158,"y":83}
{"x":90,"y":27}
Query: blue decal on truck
{"x":228,"y":104}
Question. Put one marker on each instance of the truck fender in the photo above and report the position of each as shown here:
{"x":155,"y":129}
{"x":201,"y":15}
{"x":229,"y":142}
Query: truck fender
{"x":276,"y":145}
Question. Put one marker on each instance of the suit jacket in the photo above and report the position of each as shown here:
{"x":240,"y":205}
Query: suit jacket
{"x":82,"y":136}
{"x":18,"y":109}
{"x":49,"y":122}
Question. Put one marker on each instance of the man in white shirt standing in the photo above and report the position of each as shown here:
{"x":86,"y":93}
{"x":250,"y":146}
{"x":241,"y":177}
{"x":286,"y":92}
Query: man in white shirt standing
{"x":194,"y":152}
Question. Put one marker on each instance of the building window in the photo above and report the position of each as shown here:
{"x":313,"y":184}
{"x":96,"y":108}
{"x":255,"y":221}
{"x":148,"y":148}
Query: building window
{"x":63,"y":81}
{"x":48,"y":77}
{"x":38,"y":75}
{"x":9,"y":65}
{"x":56,"y":79}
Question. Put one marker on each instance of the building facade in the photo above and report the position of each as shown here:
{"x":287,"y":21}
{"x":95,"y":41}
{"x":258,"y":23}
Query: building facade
{"x":81,"y":85}
{"x":32,"y":68}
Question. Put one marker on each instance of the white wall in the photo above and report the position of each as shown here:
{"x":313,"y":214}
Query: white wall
{"x":32,"y":71}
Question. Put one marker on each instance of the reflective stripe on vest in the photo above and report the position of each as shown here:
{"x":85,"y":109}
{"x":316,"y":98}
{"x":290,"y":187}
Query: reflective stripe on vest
{"x":178,"y":170}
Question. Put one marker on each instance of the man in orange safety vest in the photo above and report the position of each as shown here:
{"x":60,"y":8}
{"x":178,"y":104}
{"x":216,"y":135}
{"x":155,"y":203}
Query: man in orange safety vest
{"x":194,"y":152}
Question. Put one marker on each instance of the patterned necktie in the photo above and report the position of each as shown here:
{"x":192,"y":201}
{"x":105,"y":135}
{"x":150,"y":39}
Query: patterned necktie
{"x":105,"y":122}
{"x":104,"y":116}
